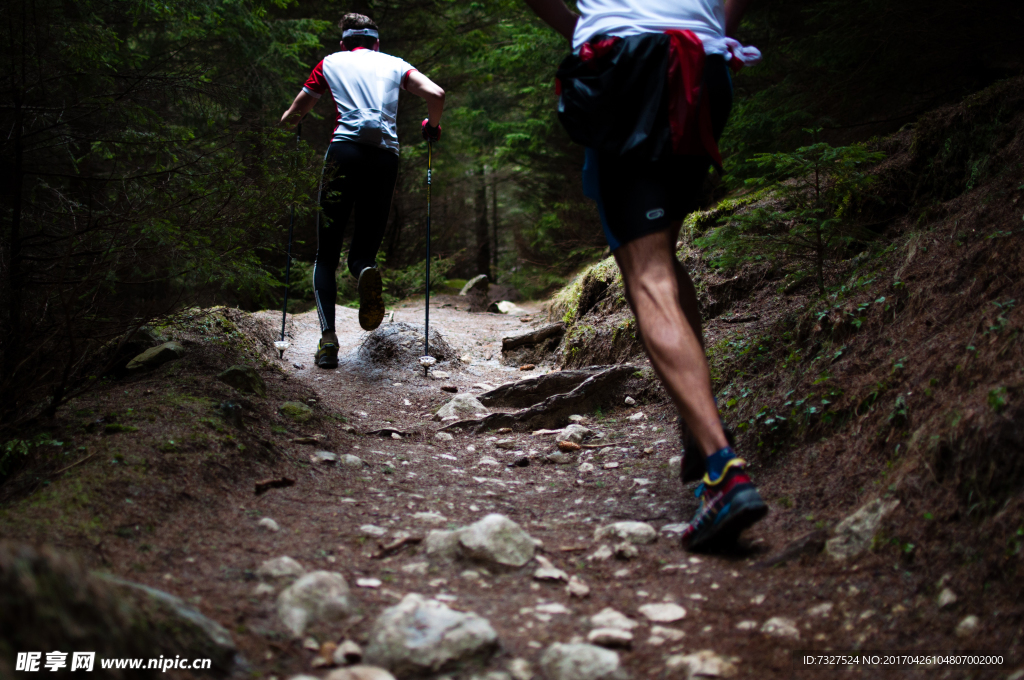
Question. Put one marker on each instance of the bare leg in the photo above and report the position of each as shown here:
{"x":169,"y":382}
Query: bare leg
{"x":665,"y":304}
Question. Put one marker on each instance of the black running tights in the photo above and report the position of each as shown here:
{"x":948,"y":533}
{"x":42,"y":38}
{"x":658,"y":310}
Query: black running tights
{"x":361,"y":177}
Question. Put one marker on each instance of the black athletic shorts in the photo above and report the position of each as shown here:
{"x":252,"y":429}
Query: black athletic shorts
{"x":636,"y":197}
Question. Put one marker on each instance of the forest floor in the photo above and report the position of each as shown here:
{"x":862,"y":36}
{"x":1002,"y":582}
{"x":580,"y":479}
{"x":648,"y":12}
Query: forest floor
{"x":182,"y":517}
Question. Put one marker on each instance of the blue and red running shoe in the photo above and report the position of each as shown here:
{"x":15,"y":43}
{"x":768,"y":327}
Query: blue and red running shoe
{"x":728,"y":505}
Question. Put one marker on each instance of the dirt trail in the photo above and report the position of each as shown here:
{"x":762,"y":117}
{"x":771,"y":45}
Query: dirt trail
{"x":728,"y":599}
{"x":195,"y":533}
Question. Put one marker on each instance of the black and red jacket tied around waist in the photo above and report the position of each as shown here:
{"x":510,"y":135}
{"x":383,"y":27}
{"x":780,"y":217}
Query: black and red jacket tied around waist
{"x":639,"y":97}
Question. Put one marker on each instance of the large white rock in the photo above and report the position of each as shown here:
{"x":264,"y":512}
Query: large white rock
{"x":574,"y":433}
{"x":442,"y":545}
{"x":639,"y":533}
{"x":855,"y":533}
{"x":319,"y":596}
{"x":581,"y":662}
{"x":420,"y":636}
{"x":498,"y":540}
{"x":280,"y":569}
{"x":463,"y":405}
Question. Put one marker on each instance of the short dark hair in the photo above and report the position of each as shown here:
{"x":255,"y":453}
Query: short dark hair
{"x":357,"y":21}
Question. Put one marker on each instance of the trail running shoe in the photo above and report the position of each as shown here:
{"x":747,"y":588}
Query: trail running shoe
{"x":371,"y":299}
{"x":326,"y":355}
{"x":693,"y":467}
{"x":727,"y":507}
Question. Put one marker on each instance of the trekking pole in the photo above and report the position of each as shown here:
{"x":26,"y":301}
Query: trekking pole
{"x":427,"y":359}
{"x":282,"y":345}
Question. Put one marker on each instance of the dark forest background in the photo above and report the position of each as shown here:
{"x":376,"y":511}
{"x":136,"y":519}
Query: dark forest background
{"x":141,"y":172}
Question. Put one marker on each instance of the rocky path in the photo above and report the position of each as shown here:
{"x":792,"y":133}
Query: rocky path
{"x":563,"y":571}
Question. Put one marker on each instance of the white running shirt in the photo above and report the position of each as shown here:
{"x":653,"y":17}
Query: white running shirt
{"x":623,"y":18}
{"x":365,"y":86}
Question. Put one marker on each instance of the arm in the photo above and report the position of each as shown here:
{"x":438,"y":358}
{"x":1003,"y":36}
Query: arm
{"x":424,"y":87}
{"x":556,"y":15}
{"x":734,"y":10}
{"x":303,"y":104}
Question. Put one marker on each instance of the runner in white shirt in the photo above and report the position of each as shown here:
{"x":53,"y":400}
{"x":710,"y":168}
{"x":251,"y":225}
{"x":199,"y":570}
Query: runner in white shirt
{"x":647,"y":91}
{"x":363,"y":163}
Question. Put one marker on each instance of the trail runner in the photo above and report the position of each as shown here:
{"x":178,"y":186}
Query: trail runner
{"x":647,"y":91}
{"x":361,"y":164}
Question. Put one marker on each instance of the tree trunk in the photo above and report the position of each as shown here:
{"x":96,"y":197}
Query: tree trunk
{"x":494,"y":223}
{"x":483,"y":246}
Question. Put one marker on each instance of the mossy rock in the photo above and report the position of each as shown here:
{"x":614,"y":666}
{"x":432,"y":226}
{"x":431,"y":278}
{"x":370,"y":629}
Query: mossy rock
{"x":244,"y":379}
{"x":50,"y":602}
{"x":156,"y":356}
{"x":296,"y":411}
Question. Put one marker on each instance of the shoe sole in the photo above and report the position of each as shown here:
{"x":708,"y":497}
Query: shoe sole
{"x":371,"y":299}
{"x":745,"y":510}
{"x":327,"y":362}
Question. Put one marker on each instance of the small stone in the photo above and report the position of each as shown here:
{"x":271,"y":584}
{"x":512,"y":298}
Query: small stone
{"x":310,"y":643}
{"x":746,"y":625}
{"x":548,"y":571}
{"x":348,"y":652}
{"x":280,"y":568}
{"x":560,"y":458}
{"x":263,"y":589}
{"x":946,"y":598}
{"x":757,"y":599}
{"x":483,"y":387}
{"x":675,"y":468}
{"x":466,"y":359}
{"x":360,"y":673}
{"x":325,"y":457}
{"x":630,"y":401}
{"x":373,"y":530}
{"x":268,"y":524}
{"x":639,"y":533}
{"x":552,"y":608}
{"x":421,"y":636}
{"x":498,"y":540}
{"x":637,"y":417}
{"x":855,"y":533}
{"x":603,"y":553}
{"x":505,"y":443}
{"x":460,"y":406}
{"x":440,"y":375}
{"x":296,"y":411}
{"x":968,"y":626}
{"x":430,"y":517}
{"x":576,"y":418}
{"x":586,"y":467}
{"x":626,"y":551}
{"x":487,"y":460}
{"x":703,"y":664}
{"x":662,"y":612}
{"x":610,"y":637}
{"x":416,"y":568}
{"x":368,"y":582}
{"x":395,"y":435}
{"x":823,"y":610}
{"x":781,"y":627}
{"x":581,"y":662}
{"x":520,"y":669}
{"x":443,"y":437}
{"x":610,"y":618}
{"x":671,"y":634}
{"x":575,"y":433}
{"x":577,"y":588}
{"x":348,"y":460}
{"x":317,"y":596}
{"x":244,"y":379}
{"x":610,"y":466}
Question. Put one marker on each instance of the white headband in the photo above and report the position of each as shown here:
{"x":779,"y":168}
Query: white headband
{"x":353,"y":32}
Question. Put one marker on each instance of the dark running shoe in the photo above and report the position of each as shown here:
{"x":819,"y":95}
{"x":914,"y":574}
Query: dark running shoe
{"x":326,"y":355}
{"x":727,"y":507}
{"x":693,"y":467}
{"x":371,"y":299}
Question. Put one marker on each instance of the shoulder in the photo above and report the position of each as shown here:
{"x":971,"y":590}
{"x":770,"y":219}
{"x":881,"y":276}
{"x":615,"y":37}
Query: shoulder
{"x":397,"y":62}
